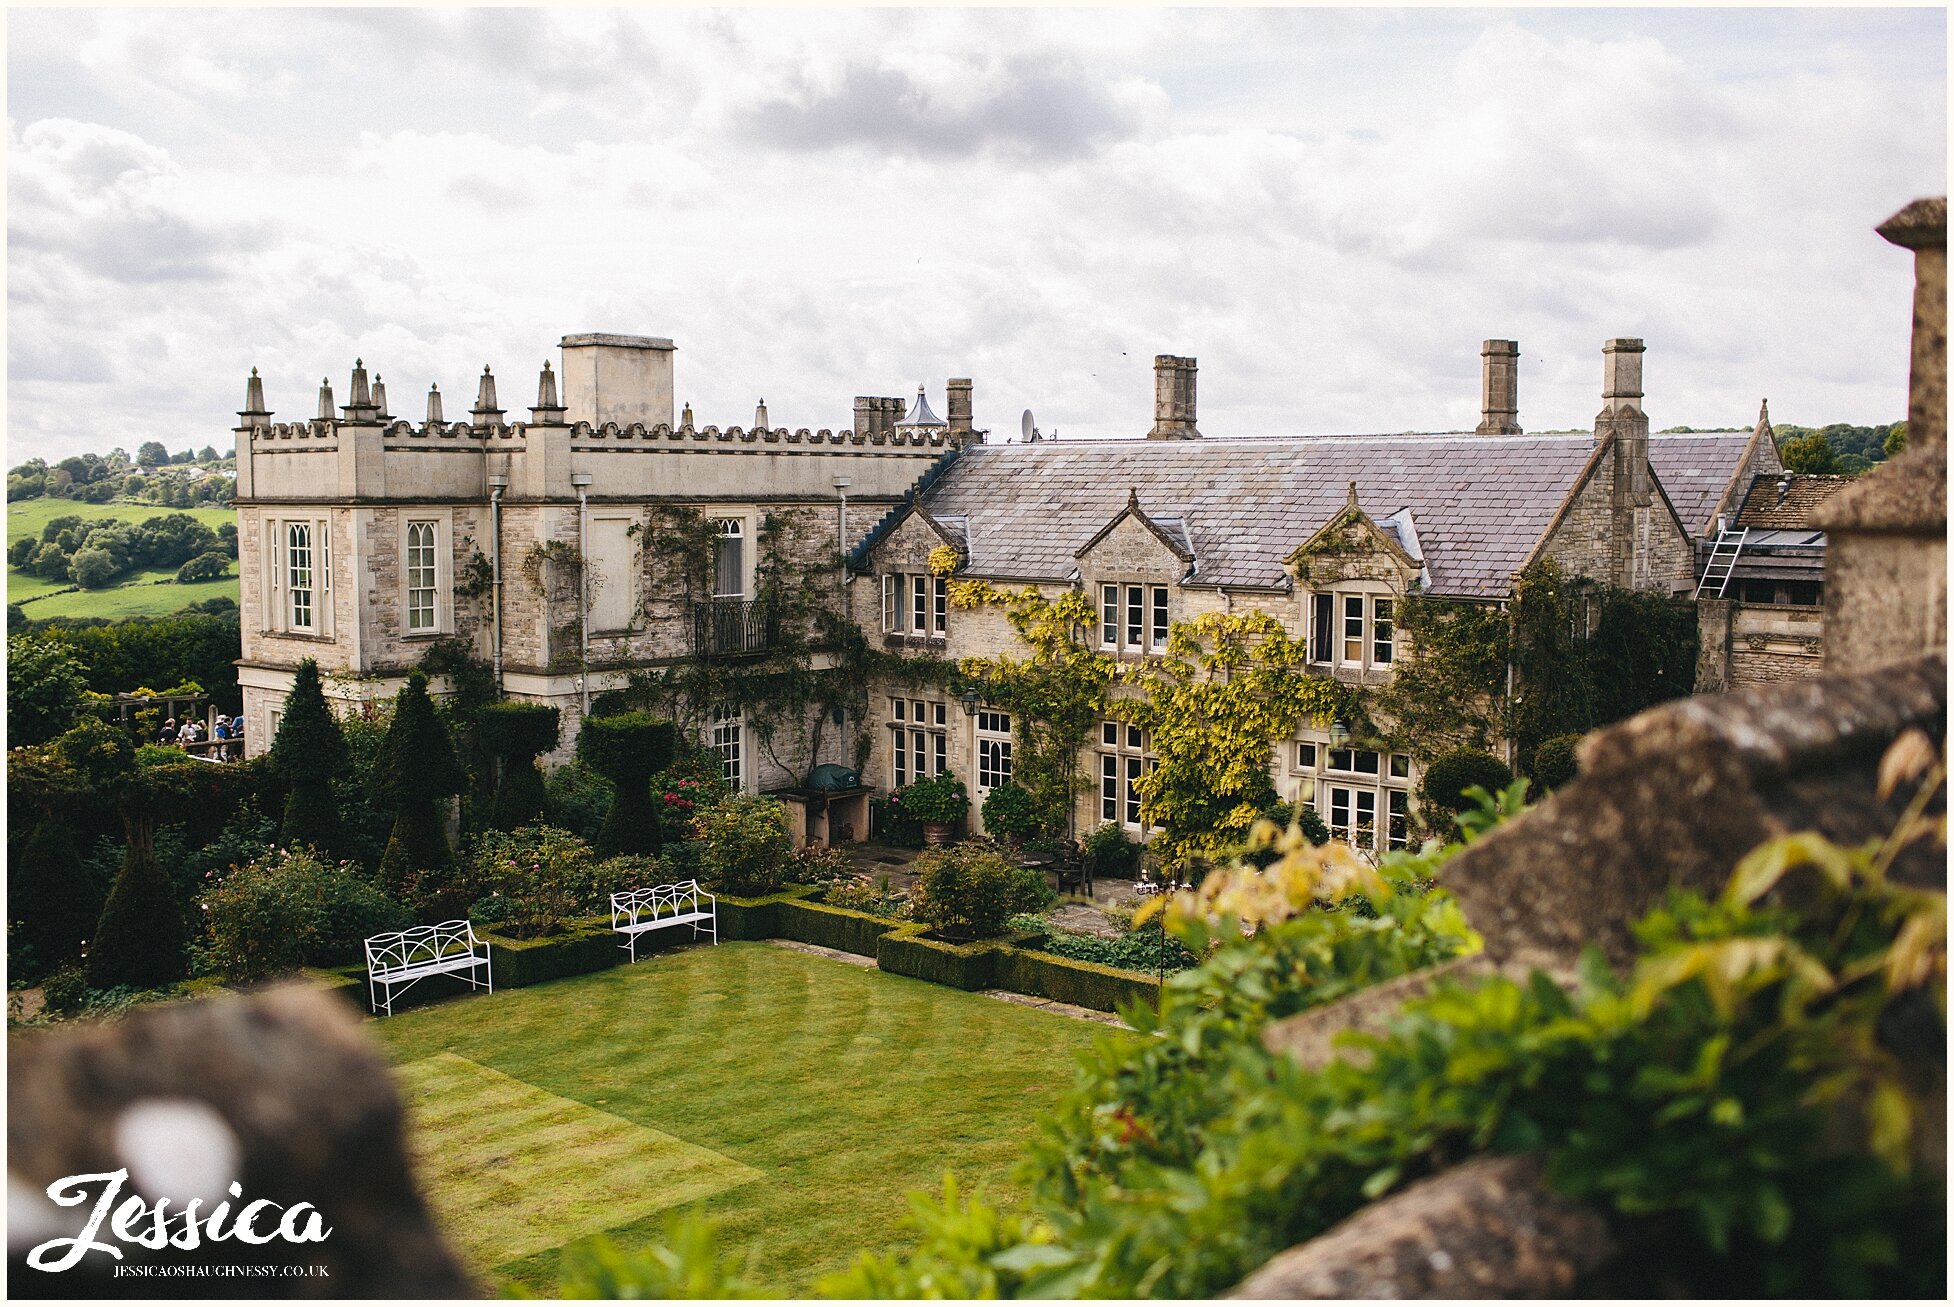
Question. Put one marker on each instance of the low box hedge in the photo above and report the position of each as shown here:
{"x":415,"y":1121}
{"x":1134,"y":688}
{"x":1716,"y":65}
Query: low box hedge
{"x":907,"y":952}
{"x":755,"y":918}
{"x":837,"y":928}
{"x":588,"y":945}
{"x":1064,"y":980}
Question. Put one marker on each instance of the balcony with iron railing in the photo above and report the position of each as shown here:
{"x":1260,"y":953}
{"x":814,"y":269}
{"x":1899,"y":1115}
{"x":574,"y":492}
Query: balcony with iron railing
{"x":734,"y":627}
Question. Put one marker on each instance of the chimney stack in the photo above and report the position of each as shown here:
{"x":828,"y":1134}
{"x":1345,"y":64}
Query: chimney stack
{"x":1499,"y":407}
{"x":877,"y":415}
{"x":1623,"y":421}
{"x":957,"y":395}
{"x":1173,"y":399}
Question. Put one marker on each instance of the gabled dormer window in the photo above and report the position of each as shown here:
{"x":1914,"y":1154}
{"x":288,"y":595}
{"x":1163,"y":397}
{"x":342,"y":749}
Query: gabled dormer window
{"x":915,"y":603}
{"x":1133,"y":618}
{"x":1355,"y":629}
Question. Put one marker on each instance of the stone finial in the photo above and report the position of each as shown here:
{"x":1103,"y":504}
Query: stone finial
{"x":254,"y":411}
{"x":1133,"y":498}
{"x":1351,"y":503}
{"x":326,"y":413}
{"x":434,"y":405}
{"x":546,"y":409}
{"x":360,"y":397}
{"x":760,"y":422}
{"x":1764,"y":412}
{"x":380,"y":397}
{"x":485,"y":413}
{"x":685,"y":418}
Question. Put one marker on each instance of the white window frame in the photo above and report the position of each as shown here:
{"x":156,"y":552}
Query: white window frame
{"x":919,"y":739}
{"x":731,"y":528}
{"x":726,"y":736}
{"x":892,"y":602}
{"x":441,"y":523}
{"x":1134,"y":616}
{"x":1333,"y":783}
{"x":1159,"y":617}
{"x":1123,"y":759}
{"x":992,"y":729}
{"x":1383,"y":643}
{"x":279,"y":592}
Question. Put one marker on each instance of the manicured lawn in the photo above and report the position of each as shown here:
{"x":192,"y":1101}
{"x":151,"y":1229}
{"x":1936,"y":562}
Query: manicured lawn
{"x":795,"y":1099}
{"x":27,"y":517}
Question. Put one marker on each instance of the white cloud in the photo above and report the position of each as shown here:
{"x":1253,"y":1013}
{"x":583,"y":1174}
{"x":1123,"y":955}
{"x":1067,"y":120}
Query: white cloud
{"x":1329,"y":209}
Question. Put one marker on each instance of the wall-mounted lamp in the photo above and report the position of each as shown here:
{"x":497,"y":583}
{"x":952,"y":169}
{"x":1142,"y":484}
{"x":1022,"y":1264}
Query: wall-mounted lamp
{"x":970,"y":699}
{"x":1339,"y":733}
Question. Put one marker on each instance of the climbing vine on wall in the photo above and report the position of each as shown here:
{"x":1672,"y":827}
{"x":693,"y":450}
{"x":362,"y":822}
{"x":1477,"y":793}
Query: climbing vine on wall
{"x":1056,"y":696}
{"x":1583,"y":654}
{"x":1230,"y":686}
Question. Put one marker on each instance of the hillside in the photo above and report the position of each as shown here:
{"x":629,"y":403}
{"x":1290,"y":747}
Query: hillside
{"x":144,"y":592}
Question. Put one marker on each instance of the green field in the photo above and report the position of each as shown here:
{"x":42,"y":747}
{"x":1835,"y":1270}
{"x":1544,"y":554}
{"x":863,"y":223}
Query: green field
{"x":133,"y":598}
{"x":794,"y":1099}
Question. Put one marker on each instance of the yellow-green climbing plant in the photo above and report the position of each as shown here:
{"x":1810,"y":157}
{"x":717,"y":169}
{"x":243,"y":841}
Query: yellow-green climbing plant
{"x":1230,"y":686}
{"x":1056,"y":696}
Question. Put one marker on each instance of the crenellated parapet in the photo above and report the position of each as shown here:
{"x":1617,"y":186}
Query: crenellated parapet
{"x":361,"y":451}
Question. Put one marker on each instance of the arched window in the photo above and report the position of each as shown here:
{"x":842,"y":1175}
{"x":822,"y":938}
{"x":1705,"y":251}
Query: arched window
{"x":298,"y":580}
{"x":420,"y":576}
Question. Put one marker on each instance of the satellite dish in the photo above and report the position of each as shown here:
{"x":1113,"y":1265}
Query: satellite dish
{"x":1025,"y":427}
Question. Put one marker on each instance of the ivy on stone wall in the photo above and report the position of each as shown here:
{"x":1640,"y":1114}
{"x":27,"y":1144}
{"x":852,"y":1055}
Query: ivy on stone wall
{"x":1056,"y":697}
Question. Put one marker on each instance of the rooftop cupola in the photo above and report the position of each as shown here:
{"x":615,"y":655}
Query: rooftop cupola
{"x":485,"y":413}
{"x":919,"y":416}
{"x":325,"y":399}
{"x":546,"y":409}
{"x":359,"y":402}
{"x":380,"y":398}
{"x":760,"y":416}
{"x":254,"y":412}
{"x":434,"y":417}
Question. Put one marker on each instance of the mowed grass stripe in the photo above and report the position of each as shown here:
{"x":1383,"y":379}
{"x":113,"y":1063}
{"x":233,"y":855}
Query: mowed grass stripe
{"x":512,"y":1169}
{"x":848,"y":1088}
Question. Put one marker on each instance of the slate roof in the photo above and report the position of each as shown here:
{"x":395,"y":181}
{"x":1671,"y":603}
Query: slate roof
{"x":1763,"y":507}
{"x":1481,"y":503}
{"x":1695,"y":469}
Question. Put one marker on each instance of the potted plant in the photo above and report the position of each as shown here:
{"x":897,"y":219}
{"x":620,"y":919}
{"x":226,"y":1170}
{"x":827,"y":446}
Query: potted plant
{"x":939,"y":802}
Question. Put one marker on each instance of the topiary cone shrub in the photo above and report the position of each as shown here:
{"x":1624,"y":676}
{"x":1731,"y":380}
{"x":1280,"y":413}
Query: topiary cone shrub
{"x":48,"y":899}
{"x":1553,"y":763}
{"x":417,"y":767}
{"x":308,"y":754}
{"x":516,"y":733}
{"x":139,"y":938}
{"x":626,"y":749}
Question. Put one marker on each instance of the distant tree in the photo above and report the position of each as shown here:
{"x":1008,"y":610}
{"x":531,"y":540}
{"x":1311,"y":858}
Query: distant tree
{"x":205,"y":567}
{"x":21,"y":551}
{"x":44,"y":685}
{"x":308,"y":754}
{"x":92,"y":568}
{"x":208,"y":454}
{"x":77,"y":469}
{"x":50,"y":563}
{"x":184,"y":456}
{"x":16,"y":618}
{"x":1810,"y":454}
{"x":1896,"y":439}
{"x":227,"y":539}
{"x":152,"y":454}
{"x":417,"y":768}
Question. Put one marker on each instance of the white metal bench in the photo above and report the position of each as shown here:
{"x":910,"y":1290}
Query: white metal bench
{"x":402,"y":957}
{"x":636,"y":911}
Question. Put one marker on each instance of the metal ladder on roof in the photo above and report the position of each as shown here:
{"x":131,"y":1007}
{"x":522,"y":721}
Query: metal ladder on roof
{"x":1723,"y":561}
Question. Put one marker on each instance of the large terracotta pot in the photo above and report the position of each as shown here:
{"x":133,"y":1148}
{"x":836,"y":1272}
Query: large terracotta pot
{"x":935,"y":834}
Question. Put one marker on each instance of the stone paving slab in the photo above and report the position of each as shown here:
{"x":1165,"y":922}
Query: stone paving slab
{"x":1057,"y":1008}
{"x":839,"y":955}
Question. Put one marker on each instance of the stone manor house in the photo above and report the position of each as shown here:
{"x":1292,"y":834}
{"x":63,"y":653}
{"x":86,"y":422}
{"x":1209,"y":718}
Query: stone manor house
{"x":365,"y":538}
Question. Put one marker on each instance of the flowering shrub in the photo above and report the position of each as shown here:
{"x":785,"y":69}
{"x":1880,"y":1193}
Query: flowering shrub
{"x":860,"y":894}
{"x":1010,"y":813}
{"x":744,"y":845}
{"x":822,"y":866}
{"x":292,"y":908}
{"x":532,"y":879}
{"x":934,"y":800}
{"x":969,"y":891}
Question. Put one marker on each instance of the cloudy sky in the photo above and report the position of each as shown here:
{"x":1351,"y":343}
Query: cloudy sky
{"x":1330,"y":208}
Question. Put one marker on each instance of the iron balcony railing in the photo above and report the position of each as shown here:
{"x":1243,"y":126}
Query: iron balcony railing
{"x":734,"y":626}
